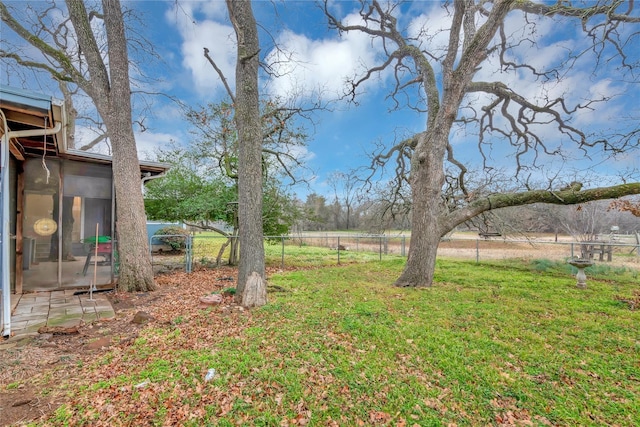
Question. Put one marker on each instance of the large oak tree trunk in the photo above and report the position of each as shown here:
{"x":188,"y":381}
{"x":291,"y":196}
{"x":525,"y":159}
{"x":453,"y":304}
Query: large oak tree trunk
{"x":136,"y":273}
{"x":429,"y":222}
{"x":427,"y":178}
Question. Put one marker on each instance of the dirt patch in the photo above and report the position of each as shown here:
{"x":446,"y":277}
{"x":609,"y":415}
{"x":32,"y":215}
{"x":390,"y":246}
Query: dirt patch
{"x":503,"y":249}
{"x":33,"y":366}
{"x":23,"y":404}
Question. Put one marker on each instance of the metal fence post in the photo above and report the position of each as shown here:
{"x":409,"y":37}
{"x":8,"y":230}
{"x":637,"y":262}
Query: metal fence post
{"x":477,"y":251}
{"x":338,"y":250}
{"x":571,"y":249}
{"x":402,"y":246}
{"x":380,"y":249}
{"x":189,"y":254}
{"x":282,"y":261}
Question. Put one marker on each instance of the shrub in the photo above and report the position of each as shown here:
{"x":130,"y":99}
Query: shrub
{"x":175,"y":237}
{"x":543,"y":265}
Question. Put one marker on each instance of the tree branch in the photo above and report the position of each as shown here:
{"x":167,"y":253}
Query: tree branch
{"x":220,"y":74}
{"x":562,"y":197}
{"x":99,"y":85}
{"x":56,"y":55}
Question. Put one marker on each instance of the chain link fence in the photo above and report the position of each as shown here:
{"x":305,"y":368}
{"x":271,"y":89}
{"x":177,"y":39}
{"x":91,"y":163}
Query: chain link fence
{"x":316,"y":250}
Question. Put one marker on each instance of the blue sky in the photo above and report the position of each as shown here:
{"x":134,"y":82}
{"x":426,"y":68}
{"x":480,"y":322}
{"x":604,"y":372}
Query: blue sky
{"x":340,"y":138}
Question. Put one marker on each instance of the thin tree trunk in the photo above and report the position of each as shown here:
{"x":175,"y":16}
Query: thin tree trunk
{"x":247,"y":110}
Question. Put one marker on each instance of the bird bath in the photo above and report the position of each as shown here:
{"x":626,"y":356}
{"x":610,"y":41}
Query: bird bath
{"x":581,"y":264}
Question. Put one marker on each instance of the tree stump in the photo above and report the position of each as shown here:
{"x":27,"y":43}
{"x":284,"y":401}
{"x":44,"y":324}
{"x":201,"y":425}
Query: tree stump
{"x":255,"y":291}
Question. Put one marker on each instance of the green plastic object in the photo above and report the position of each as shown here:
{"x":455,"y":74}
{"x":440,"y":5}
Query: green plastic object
{"x":101,"y":239}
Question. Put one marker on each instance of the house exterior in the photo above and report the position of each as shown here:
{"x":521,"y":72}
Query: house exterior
{"x":58,"y":207}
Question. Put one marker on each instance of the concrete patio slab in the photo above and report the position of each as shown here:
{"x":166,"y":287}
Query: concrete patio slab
{"x":57,"y":308}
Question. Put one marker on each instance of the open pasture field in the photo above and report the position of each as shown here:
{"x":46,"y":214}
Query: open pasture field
{"x":326,"y":249}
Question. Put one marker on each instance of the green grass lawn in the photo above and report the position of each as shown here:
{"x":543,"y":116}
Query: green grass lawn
{"x":504,"y":343}
{"x":288,"y":253}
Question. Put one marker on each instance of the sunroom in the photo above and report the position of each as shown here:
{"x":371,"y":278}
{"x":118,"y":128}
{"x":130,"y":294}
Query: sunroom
{"x":58,"y":204}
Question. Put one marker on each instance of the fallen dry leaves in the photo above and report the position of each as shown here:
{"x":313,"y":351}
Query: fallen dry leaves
{"x":50,"y":360}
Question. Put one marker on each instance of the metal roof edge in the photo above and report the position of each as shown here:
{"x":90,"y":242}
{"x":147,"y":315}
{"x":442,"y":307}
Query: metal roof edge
{"x":75,"y":154}
{"x":25,"y":97}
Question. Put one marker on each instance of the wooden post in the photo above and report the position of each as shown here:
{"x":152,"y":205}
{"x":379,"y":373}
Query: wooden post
{"x":19,"y":235}
{"x":95,"y":264}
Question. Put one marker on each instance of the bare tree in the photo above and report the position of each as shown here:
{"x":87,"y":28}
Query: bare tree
{"x":345,"y":185}
{"x":316,"y":214}
{"x":106,"y":80}
{"x":447,"y":94}
{"x":22,"y":64}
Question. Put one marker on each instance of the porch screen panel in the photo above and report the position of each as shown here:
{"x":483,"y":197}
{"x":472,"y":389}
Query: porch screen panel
{"x":90,"y":186}
{"x":87,"y":193}
{"x":41,"y":223}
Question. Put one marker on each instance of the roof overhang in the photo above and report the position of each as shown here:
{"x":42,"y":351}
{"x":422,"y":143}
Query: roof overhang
{"x":146,"y":168}
{"x":26,"y":111}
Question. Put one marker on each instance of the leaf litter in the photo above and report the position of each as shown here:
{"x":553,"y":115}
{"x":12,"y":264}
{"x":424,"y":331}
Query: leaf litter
{"x":37,"y":366}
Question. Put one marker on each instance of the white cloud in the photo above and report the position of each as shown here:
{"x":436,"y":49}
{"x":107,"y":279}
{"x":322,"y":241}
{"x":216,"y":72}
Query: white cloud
{"x":599,"y":114}
{"x":147,"y":142}
{"x":217,"y":38}
{"x":207,"y":33}
{"x":212,"y":9}
{"x":306,"y":65}
{"x":168,"y":113}
{"x":431,"y":29}
{"x":301,"y":152}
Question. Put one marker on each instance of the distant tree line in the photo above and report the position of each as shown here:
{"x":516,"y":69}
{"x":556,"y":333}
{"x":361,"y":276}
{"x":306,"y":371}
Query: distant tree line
{"x":319,"y":213}
{"x":375,"y":215}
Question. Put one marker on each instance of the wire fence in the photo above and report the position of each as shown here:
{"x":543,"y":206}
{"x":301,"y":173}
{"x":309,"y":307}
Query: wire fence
{"x":210,"y":251}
